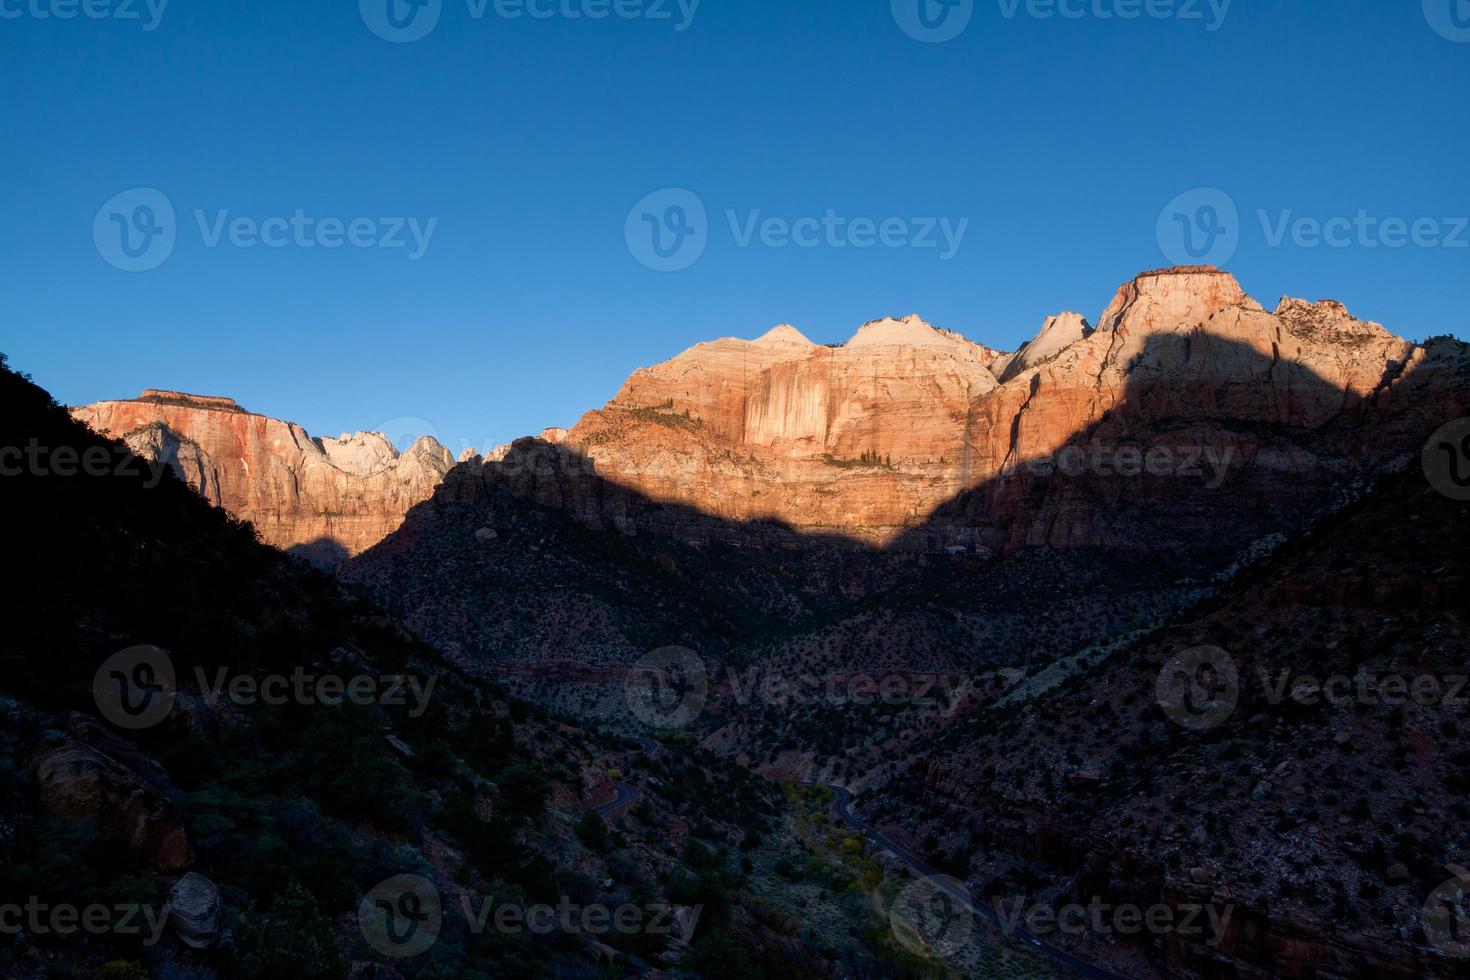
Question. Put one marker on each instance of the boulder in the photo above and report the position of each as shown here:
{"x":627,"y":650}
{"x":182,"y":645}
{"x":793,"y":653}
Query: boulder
{"x":195,"y":910}
{"x":81,"y":782}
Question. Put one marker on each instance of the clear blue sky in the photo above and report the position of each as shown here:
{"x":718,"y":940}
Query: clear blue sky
{"x":529,"y":140}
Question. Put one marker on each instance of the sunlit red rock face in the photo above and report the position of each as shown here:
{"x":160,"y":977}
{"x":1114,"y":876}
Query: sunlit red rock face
{"x":1189,"y":417}
{"x":863,"y":438}
{"x":326,"y":499}
{"x":907,"y":435}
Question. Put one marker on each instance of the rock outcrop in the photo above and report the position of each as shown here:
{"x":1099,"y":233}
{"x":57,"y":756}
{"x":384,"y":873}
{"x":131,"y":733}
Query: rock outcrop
{"x":1057,"y":334}
{"x":195,"y":910}
{"x":912,"y":436}
{"x":94,"y":778}
{"x":326,"y":499}
{"x":861,"y":438}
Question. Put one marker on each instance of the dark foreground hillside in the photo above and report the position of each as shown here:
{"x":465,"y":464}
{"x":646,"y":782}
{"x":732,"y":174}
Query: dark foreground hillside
{"x":235,"y":770}
{"x":1293,"y":751}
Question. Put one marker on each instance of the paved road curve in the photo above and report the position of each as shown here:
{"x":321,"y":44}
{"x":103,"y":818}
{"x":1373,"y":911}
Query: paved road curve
{"x":627,"y":795}
{"x":843,"y":808}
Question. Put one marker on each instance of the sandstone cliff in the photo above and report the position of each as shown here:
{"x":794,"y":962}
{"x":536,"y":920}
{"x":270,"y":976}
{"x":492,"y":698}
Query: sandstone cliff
{"x":326,"y":499}
{"x":1189,"y":400}
{"x":911,"y":436}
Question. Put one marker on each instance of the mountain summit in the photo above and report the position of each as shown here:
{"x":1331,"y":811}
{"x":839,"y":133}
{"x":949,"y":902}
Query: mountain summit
{"x":907,"y":427}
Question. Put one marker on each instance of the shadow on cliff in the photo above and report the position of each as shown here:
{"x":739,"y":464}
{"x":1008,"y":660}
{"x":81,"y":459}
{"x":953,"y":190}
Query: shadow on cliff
{"x":1184,"y":461}
{"x":324,"y":552}
{"x":537,"y":552}
{"x":1194,"y":463}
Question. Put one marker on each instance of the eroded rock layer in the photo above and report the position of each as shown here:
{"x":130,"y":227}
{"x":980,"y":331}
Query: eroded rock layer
{"x":1187,"y":391}
{"x":327,"y":499}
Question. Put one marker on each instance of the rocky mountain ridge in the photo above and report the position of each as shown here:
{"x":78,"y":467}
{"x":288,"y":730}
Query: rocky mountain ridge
{"x":908,"y":436}
{"x":324,"y":498}
{"x":1187,"y":394}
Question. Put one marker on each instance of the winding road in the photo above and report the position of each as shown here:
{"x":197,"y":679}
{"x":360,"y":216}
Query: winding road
{"x":843,"y":808}
{"x":627,"y":795}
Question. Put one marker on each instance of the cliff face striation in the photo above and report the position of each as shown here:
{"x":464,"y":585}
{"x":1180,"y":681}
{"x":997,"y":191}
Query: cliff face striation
{"x":1189,"y":417}
{"x":910,"y":436}
{"x":326,"y":499}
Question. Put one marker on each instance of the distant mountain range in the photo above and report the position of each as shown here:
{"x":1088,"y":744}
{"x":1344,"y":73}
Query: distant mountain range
{"x":1187,"y":399}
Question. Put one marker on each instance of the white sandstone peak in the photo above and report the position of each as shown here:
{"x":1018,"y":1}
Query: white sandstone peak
{"x":1057,"y":333}
{"x":783,"y":333}
{"x":908,"y":331}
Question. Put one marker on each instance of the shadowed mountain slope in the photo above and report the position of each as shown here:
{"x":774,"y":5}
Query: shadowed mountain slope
{"x":263,"y":821}
{"x":1257,"y":752}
